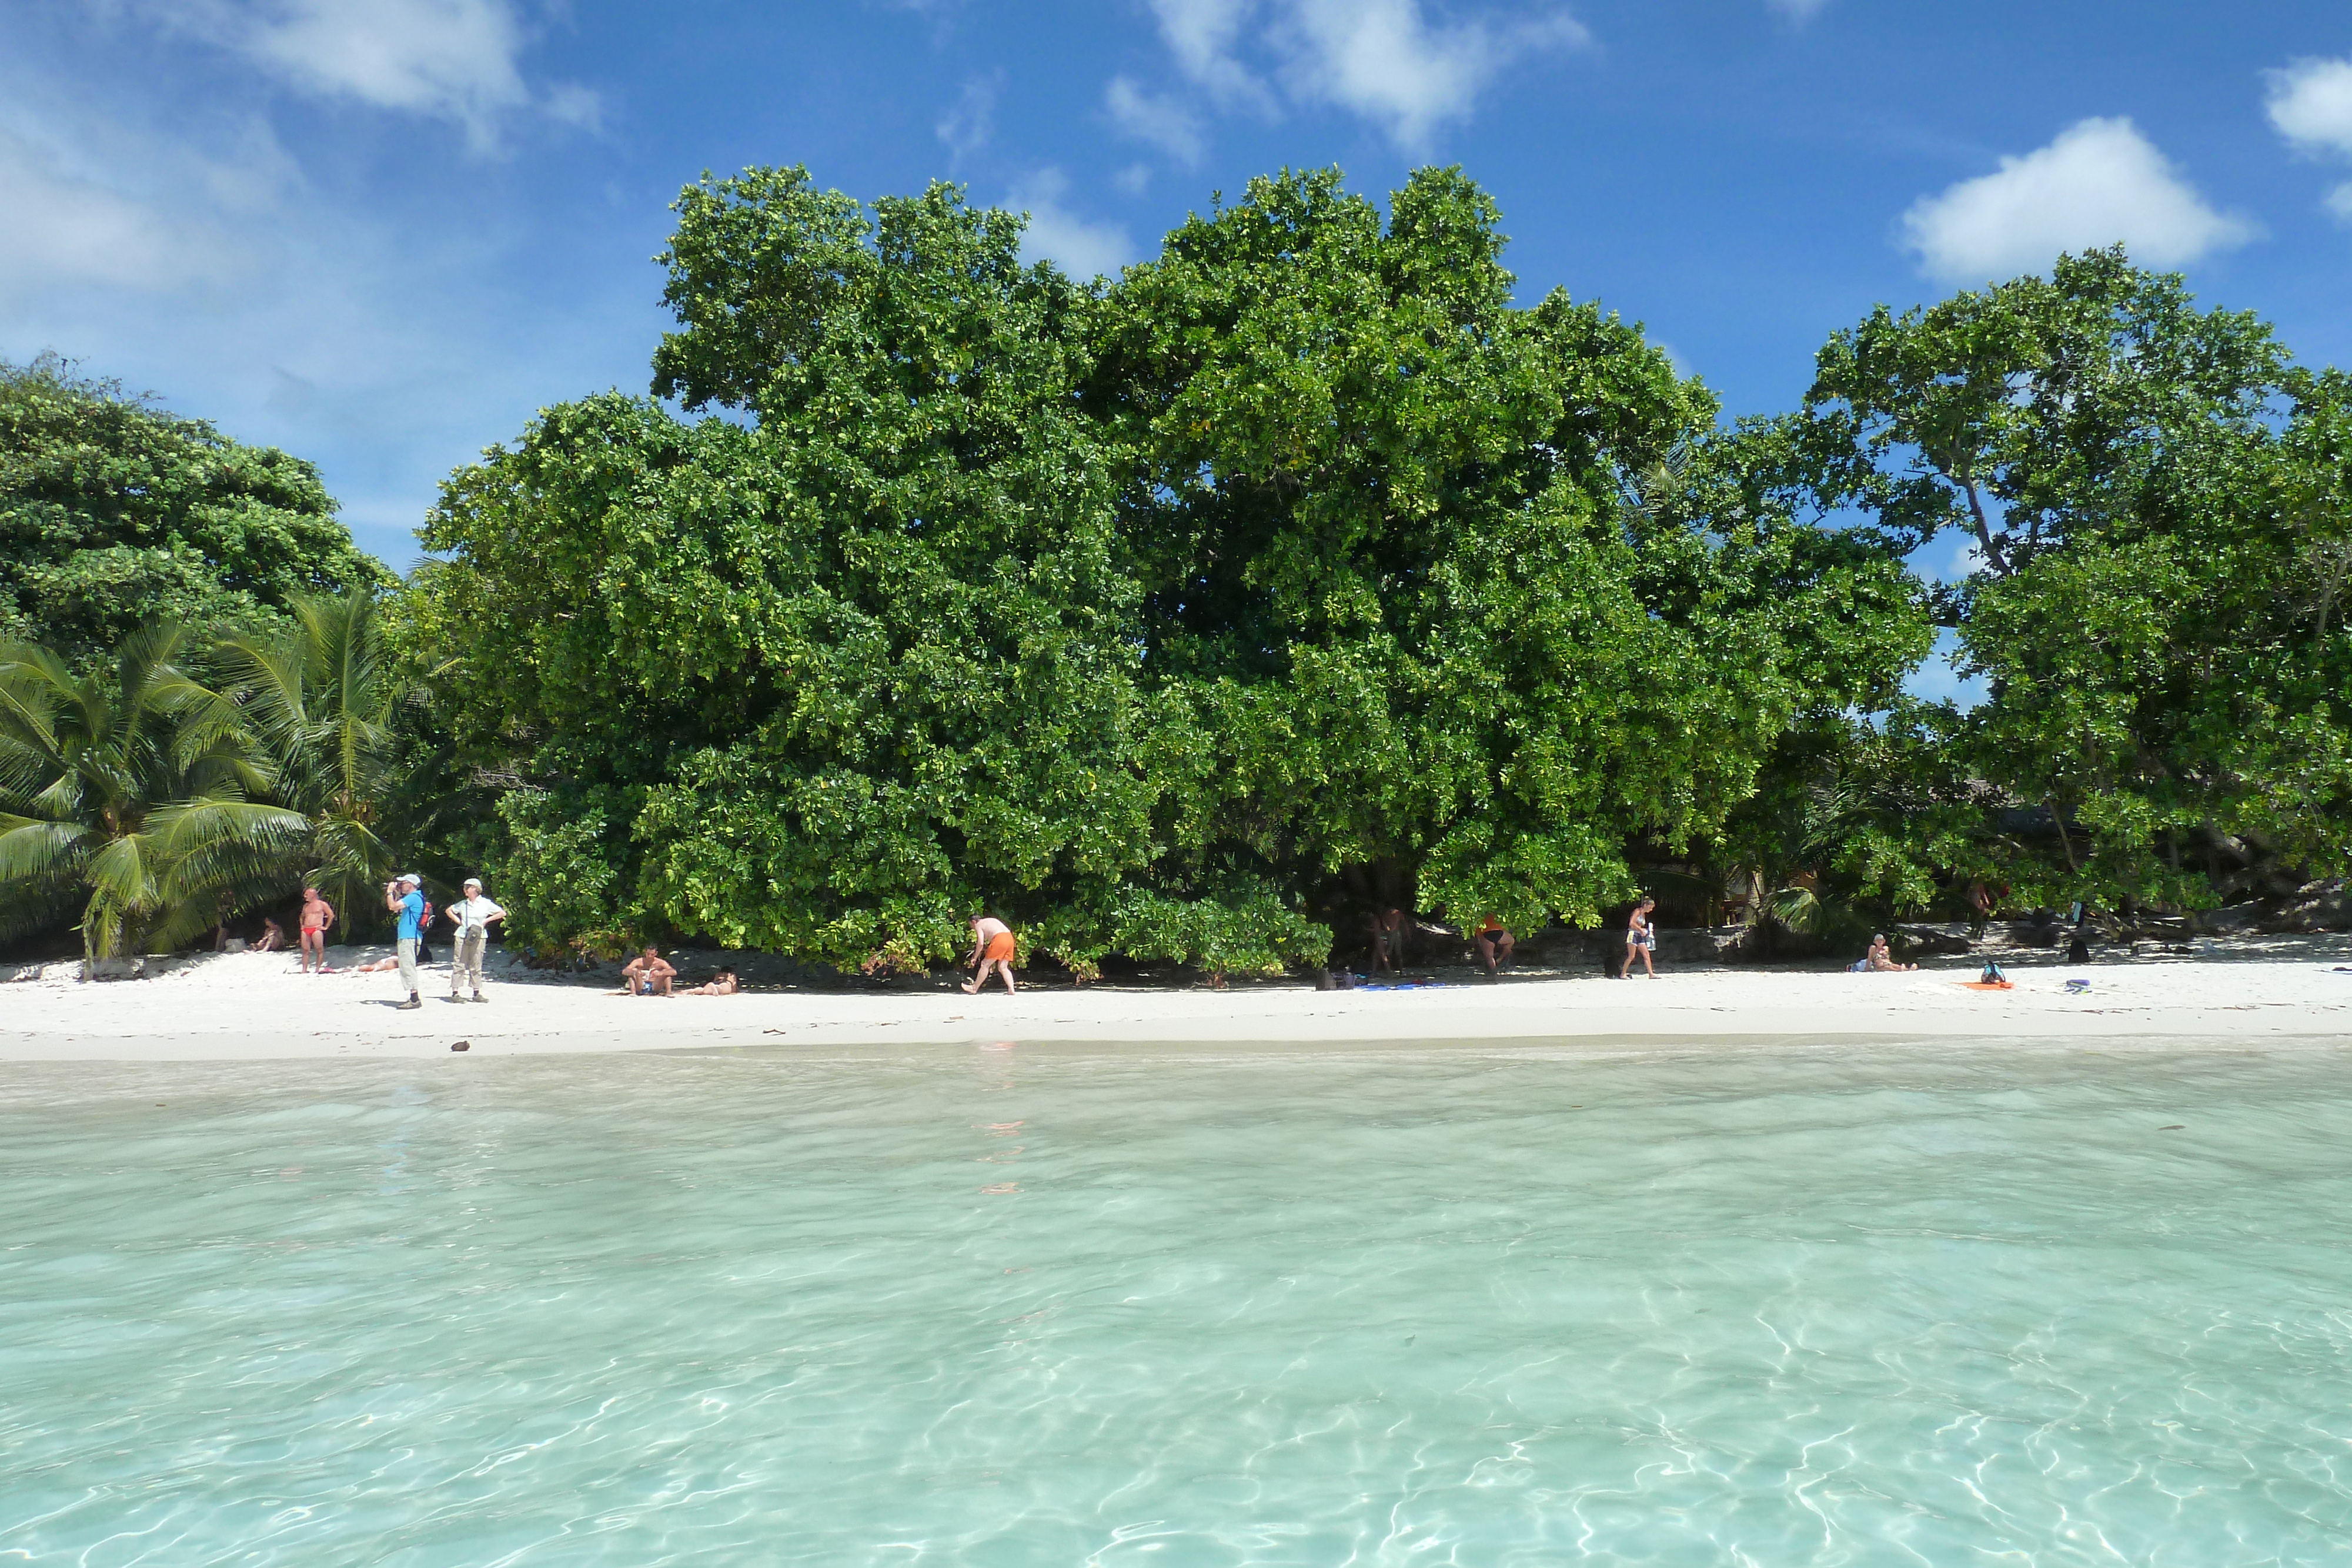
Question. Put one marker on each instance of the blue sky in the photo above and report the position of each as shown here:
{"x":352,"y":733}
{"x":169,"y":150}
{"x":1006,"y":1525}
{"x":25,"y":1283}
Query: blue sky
{"x":380,"y":232}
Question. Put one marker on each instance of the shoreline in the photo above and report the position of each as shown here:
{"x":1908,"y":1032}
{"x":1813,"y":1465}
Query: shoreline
{"x":258,"y":1006}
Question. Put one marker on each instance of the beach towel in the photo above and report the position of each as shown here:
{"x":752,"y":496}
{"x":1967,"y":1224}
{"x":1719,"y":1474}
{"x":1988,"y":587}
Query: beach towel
{"x":1986,"y":985}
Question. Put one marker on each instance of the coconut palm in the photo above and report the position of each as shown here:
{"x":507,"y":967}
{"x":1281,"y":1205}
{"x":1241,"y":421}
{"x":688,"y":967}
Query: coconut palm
{"x":128,"y":792}
{"x":318,"y":696}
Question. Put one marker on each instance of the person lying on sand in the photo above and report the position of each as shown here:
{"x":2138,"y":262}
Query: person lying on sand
{"x":1882,"y":960}
{"x":722,"y":984}
{"x":378,"y":968}
{"x":648,"y":975}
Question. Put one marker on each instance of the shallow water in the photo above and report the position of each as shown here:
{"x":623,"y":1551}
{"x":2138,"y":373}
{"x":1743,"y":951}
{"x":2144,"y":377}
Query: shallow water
{"x":1061,"y":1306}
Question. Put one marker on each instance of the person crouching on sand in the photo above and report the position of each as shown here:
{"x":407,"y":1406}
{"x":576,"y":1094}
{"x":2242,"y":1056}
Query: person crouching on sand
{"x":648,"y":975}
{"x":1494,"y":944}
{"x":992,"y":948}
{"x":317,"y":919}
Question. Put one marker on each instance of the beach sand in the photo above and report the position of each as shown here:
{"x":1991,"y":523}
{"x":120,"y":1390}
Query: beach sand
{"x":258,"y":1006}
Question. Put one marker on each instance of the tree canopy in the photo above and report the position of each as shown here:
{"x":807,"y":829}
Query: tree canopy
{"x":2157,"y":500}
{"x":114,"y":513}
{"x":1166,"y":615}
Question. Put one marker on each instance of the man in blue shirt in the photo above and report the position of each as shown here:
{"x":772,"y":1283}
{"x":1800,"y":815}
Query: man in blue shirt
{"x":405,"y":898}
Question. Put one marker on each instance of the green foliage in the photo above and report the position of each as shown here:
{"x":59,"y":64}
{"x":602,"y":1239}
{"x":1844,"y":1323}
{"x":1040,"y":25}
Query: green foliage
{"x":1134,"y":612}
{"x":1412,"y":552}
{"x":1152,"y":615}
{"x":114,"y":514}
{"x":2159,"y":502}
{"x":319,"y":696}
{"x":839,"y":678}
{"x":129,"y":794}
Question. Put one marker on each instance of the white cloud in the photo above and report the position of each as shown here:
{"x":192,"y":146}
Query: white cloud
{"x":1202,"y":34}
{"x":1155,"y":119}
{"x":1382,"y":59}
{"x":154,"y":231}
{"x":971,"y":120}
{"x":74,"y":222}
{"x":1133,"y":179}
{"x":1081,"y":248}
{"x":1798,"y":10}
{"x":2101,"y":182}
{"x":2311,"y":104}
{"x":451,"y":59}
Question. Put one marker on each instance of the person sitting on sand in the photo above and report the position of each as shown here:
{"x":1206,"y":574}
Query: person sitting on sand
{"x":992,"y":948}
{"x":1994,"y":977}
{"x":1881,"y":958}
{"x":722,"y":984}
{"x":317,"y":919}
{"x":1494,"y":944}
{"x":648,"y":975}
{"x":273,"y":937}
{"x":1641,"y":936}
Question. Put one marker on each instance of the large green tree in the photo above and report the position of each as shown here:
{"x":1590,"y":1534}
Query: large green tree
{"x":114,"y":513}
{"x":1456,"y":590}
{"x":1155,"y":613}
{"x":2157,"y":503}
{"x":832,"y":674}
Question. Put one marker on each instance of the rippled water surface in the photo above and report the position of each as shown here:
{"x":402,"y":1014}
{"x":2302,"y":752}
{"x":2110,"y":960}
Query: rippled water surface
{"x":1065,"y":1306}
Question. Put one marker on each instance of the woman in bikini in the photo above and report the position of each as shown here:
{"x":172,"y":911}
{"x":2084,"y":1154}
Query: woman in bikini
{"x":1641,"y":936}
{"x":992,"y":948}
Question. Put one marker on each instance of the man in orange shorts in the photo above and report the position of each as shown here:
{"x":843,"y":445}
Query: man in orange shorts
{"x":992,"y":948}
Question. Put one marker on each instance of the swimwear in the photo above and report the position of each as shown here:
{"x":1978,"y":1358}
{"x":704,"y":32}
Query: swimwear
{"x":1000,"y":947}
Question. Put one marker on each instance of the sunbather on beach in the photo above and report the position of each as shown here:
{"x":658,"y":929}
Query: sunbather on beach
{"x":648,"y":975}
{"x":992,"y":948}
{"x":1881,"y":959}
{"x":722,"y":984}
{"x":1641,"y":936}
{"x":1494,"y":944}
{"x":318,"y":918}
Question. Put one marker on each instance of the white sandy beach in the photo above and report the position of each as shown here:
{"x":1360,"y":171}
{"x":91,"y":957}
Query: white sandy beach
{"x":258,"y":1006}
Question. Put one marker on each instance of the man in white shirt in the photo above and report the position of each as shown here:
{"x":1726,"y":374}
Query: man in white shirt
{"x":472,"y":915}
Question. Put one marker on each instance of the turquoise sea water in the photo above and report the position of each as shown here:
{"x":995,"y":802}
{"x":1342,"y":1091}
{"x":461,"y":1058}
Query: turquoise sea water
{"x":1061,"y":1305}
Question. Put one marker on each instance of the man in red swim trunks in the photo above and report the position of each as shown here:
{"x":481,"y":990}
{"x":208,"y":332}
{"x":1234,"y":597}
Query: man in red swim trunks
{"x":318,"y":918}
{"x":992,"y":948}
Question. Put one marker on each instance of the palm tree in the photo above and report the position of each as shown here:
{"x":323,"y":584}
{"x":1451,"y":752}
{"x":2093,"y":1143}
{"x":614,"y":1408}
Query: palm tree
{"x":318,"y":696}
{"x":129,"y":794}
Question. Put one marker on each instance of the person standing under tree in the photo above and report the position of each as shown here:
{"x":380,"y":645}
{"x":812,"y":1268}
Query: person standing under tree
{"x":405,"y":898}
{"x":472,"y":915}
{"x":317,"y":919}
{"x":1642,"y":936}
